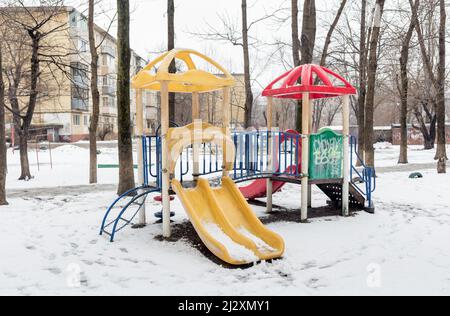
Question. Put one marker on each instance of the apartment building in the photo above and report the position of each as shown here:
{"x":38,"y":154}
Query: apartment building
{"x":64,"y":104}
{"x":212,"y":104}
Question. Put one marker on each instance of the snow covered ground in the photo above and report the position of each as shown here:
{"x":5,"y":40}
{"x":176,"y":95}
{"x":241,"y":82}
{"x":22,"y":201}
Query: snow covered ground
{"x":386,"y":155}
{"x":70,"y":167}
{"x":50,"y":245}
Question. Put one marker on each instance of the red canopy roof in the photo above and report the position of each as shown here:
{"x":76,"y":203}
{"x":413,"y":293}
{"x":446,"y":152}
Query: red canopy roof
{"x":320,"y":82}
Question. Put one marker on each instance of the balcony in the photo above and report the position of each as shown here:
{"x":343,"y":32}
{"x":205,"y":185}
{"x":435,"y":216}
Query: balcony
{"x":107,"y":110}
{"x":108,"y":50}
{"x":81,"y":81}
{"x":105,"y":70}
{"x":108,"y":90}
{"x":80,"y":105}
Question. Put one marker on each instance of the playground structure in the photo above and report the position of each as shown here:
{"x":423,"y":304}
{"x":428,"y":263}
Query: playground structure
{"x":189,"y":156}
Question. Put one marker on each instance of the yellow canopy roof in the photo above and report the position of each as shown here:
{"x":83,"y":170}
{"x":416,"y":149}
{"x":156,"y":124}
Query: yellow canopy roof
{"x":192,"y":80}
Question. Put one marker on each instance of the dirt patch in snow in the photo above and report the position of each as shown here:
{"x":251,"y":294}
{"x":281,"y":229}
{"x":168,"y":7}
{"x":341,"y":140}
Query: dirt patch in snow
{"x":185,"y":232}
{"x":293,"y":216}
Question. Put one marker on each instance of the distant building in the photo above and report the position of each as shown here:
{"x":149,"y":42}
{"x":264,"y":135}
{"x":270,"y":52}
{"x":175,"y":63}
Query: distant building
{"x":65,"y":115}
{"x":211,"y":105}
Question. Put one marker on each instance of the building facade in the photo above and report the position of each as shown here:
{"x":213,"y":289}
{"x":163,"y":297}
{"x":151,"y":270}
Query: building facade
{"x":64,"y":104}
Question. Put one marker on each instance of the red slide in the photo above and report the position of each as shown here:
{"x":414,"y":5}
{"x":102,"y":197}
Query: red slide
{"x":258,"y":188}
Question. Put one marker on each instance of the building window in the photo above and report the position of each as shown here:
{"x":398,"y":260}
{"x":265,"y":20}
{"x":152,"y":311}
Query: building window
{"x":86,"y":120}
{"x":80,"y":73}
{"x":76,"y":120}
{"x":108,"y":60}
{"x":82,"y":46}
{"x":73,"y":19}
{"x":80,"y":87}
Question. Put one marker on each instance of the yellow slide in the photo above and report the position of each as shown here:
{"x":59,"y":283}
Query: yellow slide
{"x":226,"y":223}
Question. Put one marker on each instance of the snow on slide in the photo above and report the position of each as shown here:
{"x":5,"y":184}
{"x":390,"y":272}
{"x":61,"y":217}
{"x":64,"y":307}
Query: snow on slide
{"x":236,"y":251}
{"x":260,"y":244}
{"x":226,"y":223}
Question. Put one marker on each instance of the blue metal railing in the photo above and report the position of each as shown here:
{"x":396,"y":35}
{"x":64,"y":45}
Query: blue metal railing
{"x":253,"y":151}
{"x":251,"y":162}
{"x":137,"y":197}
{"x":367,"y":175}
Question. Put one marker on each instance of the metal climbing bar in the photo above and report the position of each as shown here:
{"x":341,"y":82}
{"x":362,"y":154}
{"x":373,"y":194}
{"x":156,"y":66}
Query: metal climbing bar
{"x":367,"y":175}
{"x":137,"y":197}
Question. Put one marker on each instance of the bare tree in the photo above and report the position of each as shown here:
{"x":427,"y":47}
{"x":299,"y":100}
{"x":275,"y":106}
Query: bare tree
{"x":3,"y":156}
{"x":426,"y":117}
{"x":308,"y":41}
{"x":95,"y":93}
{"x":333,"y":25}
{"x":309,"y":29}
{"x":437,"y":81}
{"x":30,"y":31}
{"x":441,"y":152}
{"x":170,"y":46}
{"x":95,"y":96}
{"x":371,"y":83}
{"x":296,"y":55}
{"x":126,"y":170}
{"x":404,"y":86}
{"x":317,"y":111}
{"x":361,"y":109}
{"x":295,"y":33}
{"x":238,"y":36}
{"x":247,"y":79}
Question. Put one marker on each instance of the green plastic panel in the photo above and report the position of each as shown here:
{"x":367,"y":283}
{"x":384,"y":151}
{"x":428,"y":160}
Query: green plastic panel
{"x":326,"y":155}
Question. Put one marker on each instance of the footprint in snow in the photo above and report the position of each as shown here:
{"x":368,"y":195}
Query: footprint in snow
{"x":55,"y":271}
{"x":88,"y":263}
{"x":314,"y":284}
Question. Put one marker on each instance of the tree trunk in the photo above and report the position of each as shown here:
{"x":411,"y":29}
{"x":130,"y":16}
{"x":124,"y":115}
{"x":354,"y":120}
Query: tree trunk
{"x":441,"y":153}
{"x":3,"y":152}
{"x":95,"y":97}
{"x":309,"y":29}
{"x":308,"y":41}
{"x":296,"y":54}
{"x":24,"y":162}
{"x":247,"y":79}
{"x":371,"y":83}
{"x":361,"y":115}
{"x":404,"y":85}
{"x":126,"y":171}
{"x":295,"y":35}
{"x":429,"y":134}
{"x":170,"y":46}
{"x":27,"y":119}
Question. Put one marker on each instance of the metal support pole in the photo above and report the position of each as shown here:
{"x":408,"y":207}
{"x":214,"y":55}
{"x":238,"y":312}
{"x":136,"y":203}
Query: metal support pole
{"x":196,"y":145}
{"x":226,"y":112}
{"x":140,"y":151}
{"x":165,"y":158}
{"x":270,"y":157}
{"x":346,"y":133}
{"x":305,"y":156}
